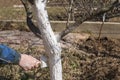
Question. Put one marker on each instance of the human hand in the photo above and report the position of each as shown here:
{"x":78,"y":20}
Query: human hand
{"x":28,"y":62}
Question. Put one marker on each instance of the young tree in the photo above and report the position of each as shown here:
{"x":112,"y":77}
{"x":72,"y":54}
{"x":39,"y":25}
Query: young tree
{"x":85,"y":10}
{"x":52,"y":46}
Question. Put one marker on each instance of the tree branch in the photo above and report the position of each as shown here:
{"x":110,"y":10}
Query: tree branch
{"x":29,"y":15}
{"x":87,"y":17}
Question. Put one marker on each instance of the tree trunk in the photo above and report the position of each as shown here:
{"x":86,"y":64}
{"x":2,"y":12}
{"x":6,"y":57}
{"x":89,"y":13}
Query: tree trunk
{"x":51,"y":45}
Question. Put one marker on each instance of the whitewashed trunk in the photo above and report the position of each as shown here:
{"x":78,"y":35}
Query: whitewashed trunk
{"x":52,"y":47}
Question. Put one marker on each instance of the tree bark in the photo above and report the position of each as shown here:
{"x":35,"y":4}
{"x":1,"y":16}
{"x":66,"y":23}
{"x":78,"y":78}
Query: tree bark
{"x":51,"y":45}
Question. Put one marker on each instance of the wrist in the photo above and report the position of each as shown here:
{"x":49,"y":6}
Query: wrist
{"x":17,"y":58}
{"x":8,"y":55}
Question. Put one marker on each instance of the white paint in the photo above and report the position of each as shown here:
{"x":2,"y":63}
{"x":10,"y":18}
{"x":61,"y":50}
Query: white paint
{"x":43,"y":61}
{"x":51,"y":45}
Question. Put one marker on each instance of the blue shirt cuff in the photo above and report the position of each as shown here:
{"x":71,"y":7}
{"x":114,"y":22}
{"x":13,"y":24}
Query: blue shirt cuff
{"x":8,"y":55}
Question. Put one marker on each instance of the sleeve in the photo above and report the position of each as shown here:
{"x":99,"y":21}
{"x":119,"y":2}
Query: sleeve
{"x":8,"y":55}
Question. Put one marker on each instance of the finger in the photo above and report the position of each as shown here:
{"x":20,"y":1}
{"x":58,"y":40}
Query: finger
{"x":29,"y":67}
{"x":37,"y":64}
{"x":32,"y":67}
{"x":25,"y":69}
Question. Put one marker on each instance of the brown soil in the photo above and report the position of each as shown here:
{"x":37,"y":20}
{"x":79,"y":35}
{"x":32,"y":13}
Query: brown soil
{"x":89,"y":59}
{"x":102,"y":47}
{"x":104,"y":60}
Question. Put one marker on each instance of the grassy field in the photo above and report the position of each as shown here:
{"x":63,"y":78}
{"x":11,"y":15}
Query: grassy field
{"x":9,"y":3}
{"x":10,"y":13}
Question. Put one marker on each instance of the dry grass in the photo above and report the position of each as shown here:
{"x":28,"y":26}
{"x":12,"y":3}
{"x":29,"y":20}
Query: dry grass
{"x":11,"y":13}
{"x":71,"y":70}
{"x":77,"y":64}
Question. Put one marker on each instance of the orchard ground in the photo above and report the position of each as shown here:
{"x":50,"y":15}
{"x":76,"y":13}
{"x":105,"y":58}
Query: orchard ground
{"x":83,"y":58}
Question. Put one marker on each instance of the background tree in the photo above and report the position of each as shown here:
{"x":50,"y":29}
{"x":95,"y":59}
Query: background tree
{"x":84,"y":10}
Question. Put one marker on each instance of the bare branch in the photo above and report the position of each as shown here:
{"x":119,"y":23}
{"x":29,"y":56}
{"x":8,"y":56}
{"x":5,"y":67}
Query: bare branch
{"x":29,"y":14}
{"x":104,"y":17}
{"x":69,"y":11}
{"x":80,"y":18}
{"x":84,"y":12}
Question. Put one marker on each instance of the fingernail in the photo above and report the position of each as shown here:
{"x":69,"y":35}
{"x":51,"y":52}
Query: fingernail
{"x":38,"y":63}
